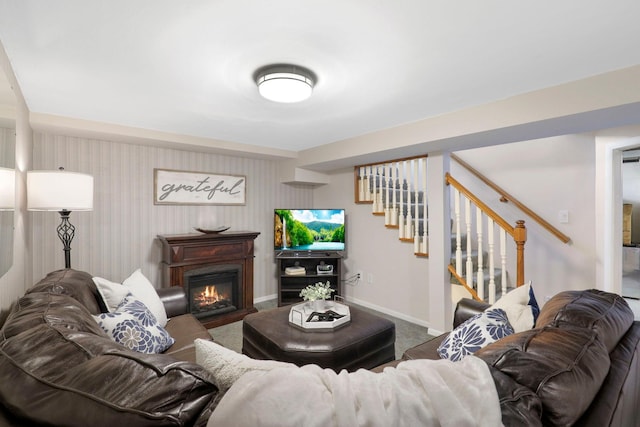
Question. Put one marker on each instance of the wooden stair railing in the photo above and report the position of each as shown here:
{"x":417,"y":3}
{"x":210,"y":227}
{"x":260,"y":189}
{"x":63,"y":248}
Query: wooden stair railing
{"x":483,"y":212}
{"x":506,"y":197}
{"x":397,"y":190}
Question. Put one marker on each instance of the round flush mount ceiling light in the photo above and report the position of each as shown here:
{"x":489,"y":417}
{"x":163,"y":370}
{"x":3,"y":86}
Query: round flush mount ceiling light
{"x":285,"y":83}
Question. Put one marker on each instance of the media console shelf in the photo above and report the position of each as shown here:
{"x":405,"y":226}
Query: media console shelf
{"x":290,"y":285}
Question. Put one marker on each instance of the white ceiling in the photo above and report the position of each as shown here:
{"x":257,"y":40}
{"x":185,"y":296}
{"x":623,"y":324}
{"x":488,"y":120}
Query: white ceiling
{"x":186,"y":67}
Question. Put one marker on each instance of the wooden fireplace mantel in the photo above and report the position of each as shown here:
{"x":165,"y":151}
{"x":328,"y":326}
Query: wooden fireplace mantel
{"x":184,"y":252}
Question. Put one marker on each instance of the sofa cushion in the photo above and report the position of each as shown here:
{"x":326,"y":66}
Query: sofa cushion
{"x":607,"y":314}
{"x":135,"y":327}
{"x":480,"y":330}
{"x":77,"y":284}
{"x":40,"y":308}
{"x":521,"y":307}
{"x":617,"y":399}
{"x":112,"y":293}
{"x":565,"y":367}
{"x":70,"y":373}
{"x":519,"y":405}
{"x":142,"y":289}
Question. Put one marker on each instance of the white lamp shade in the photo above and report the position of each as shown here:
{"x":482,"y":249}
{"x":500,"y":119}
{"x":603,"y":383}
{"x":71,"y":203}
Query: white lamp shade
{"x":7,"y":189}
{"x":59,"y":190}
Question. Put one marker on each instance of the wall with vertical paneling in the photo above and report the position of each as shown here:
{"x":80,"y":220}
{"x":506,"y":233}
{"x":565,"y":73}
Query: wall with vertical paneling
{"x":119,"y":235}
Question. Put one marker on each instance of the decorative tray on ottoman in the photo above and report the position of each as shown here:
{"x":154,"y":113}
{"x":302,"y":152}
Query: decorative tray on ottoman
{"x":319,"y":319}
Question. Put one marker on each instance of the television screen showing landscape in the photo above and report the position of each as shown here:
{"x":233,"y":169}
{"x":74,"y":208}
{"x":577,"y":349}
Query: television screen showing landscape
{"x":309,"y":229}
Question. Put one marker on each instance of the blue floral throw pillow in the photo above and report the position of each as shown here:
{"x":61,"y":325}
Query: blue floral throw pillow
{"x":135,"y":327}
{"x":477,"y":332}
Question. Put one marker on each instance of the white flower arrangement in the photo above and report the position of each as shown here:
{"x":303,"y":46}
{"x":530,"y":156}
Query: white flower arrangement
{"x":319,"y":291}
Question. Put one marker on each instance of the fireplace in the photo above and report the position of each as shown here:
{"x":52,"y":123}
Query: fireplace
{"x":214,"y":290}
{"x":197,"y":262}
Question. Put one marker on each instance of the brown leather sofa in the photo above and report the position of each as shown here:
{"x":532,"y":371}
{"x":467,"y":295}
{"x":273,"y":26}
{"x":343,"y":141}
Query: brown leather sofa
{"x":579,"y":366}
{"x":57,"y":367}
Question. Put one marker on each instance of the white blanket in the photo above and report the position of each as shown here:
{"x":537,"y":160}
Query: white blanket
{"x":416,"y":393}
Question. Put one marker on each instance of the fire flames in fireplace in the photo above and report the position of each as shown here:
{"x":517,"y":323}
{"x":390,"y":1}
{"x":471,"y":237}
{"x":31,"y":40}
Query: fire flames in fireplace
{"x":213,"y":291}
{"x":210,"y":299}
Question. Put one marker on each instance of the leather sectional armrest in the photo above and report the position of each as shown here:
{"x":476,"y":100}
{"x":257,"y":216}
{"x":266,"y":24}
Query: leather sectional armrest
{"x":467,"y":308}
{"x":174,"y":299}
{"x":426,"y":350}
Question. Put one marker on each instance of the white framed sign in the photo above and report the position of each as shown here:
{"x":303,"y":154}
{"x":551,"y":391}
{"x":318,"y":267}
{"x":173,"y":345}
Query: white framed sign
{"x":172,"y":187}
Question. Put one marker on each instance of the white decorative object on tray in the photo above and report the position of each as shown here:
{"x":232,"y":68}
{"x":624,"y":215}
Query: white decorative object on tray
{"x":300,"y":313}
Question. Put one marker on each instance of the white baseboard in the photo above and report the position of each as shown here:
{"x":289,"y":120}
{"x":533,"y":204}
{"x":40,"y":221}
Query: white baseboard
{"x":265,"y":298}
{"x":391,"y":313}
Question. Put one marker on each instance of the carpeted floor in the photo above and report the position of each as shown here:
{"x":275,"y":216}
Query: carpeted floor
{"x":407,"y":334}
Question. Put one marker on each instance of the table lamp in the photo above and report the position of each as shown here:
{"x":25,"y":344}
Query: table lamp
{"x":64,"y":192}
{"x":7,"y":189}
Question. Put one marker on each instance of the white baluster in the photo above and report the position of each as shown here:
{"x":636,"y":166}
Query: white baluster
{"x":361,"y":175}
{"x":394,"y":206}
{"x":416,"y":225}
{"x":372,"y":183}
{"x":503,"y":259}
{"x":480,"y":276}
{"x":409,"y":221}
{"x":367,"y":188}
{"x":380,"y":189}
{"x":388,"y":182}
{"x":374,"y":205}
{"x":492,"y":281}
{"x":467,"y":217}
{"x":456,"y":210}
{"x":401,"y":205}
{"x":425,"y":245}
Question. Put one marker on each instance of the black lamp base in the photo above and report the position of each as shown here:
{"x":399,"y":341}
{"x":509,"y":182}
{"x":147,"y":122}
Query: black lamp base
{"x":66,"y":232}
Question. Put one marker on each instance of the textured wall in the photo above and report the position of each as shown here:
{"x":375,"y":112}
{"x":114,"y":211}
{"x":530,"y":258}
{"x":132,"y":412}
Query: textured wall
{"x":119,"y":235}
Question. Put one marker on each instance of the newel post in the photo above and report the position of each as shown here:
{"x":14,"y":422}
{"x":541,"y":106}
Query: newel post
{"x":520,"y":237}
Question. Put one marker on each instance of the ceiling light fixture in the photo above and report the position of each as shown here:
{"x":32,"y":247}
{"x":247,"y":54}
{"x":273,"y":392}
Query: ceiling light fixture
{"x":285,"y":83}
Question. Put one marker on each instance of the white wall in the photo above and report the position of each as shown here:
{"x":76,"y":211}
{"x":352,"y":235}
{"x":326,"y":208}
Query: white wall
{"x":119,"y":235}
{"x":398,"y":279}
{"x":547,"y":175}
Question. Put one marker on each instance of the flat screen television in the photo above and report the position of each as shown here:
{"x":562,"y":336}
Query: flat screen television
{"x":309,"y":230}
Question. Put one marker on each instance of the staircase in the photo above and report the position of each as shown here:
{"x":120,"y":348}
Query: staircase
{"x":397,"y":190}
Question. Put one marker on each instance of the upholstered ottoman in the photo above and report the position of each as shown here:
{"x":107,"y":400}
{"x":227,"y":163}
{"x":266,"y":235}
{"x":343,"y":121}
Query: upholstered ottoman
{"x":366,"y":342}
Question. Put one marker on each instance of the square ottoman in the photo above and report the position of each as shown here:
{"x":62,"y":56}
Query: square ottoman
{"x":366,"y":342}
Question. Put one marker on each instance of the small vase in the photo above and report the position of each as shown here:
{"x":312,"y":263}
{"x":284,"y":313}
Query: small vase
{"x":318,"y":305}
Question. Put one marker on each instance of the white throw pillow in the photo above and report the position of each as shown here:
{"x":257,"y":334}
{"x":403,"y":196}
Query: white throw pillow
{"x":112,"y":293}
{"x":142,"y":288}
{"x":227,"y":365}
{"x":519,"y":311}
{"x":476,"y":332}
{"x":135,"y":327}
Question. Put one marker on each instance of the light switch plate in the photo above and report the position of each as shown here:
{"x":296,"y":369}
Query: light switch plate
{"x":563,"y":217}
